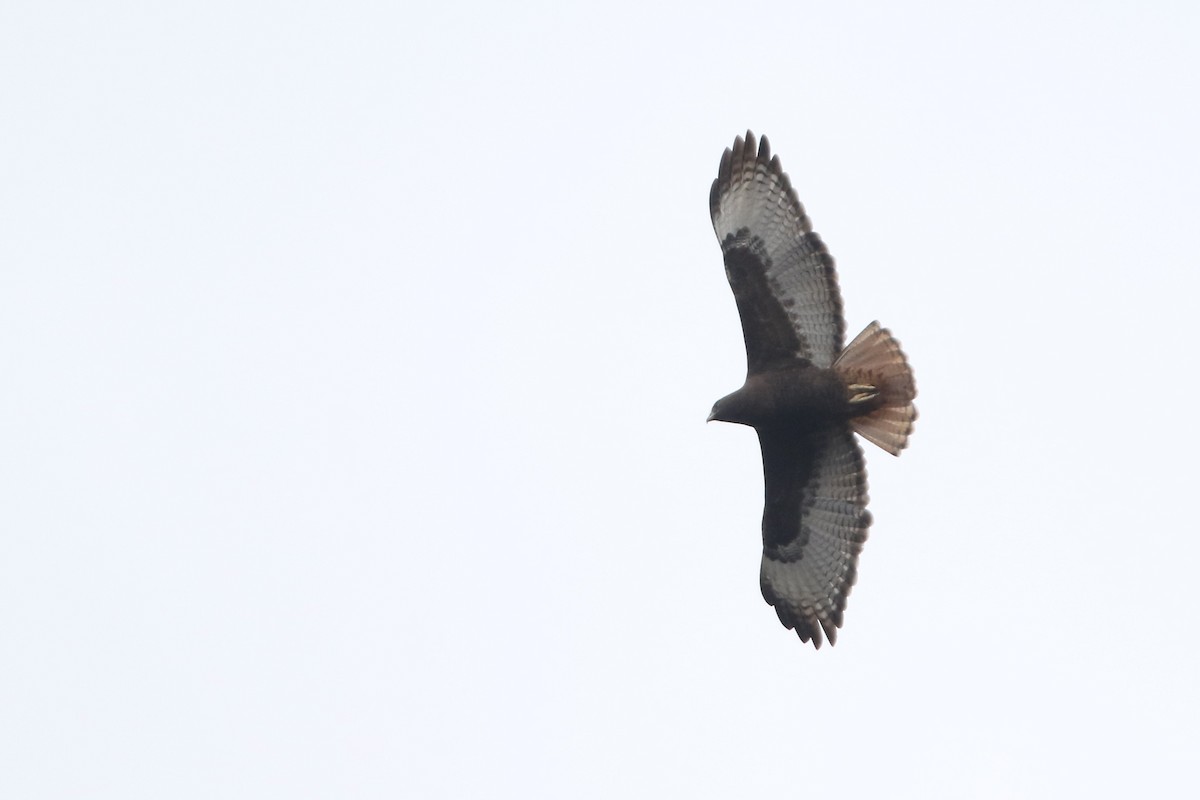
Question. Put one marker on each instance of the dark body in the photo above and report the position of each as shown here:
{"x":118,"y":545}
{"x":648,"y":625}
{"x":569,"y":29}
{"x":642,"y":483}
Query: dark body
{"x":798,"y":397}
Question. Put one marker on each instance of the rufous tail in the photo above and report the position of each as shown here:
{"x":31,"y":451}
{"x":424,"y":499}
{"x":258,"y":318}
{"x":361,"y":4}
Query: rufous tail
{"x":874,"y":367}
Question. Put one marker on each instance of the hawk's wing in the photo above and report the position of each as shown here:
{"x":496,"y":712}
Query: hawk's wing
{"x":782,"y":275}
{"x":814,"y":524}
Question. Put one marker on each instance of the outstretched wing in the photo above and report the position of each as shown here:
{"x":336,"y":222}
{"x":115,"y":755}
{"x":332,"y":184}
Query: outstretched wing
{"x":814,"y":524}
{"x":782,"y":276}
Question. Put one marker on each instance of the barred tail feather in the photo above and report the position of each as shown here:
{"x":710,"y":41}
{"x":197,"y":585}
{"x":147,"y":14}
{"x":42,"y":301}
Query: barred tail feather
{"x":875,"y":358}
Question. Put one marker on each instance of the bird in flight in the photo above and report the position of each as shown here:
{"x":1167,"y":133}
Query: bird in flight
{"x":804,"y":394}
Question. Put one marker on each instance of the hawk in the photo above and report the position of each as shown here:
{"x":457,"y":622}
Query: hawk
{"x":804,"y":394}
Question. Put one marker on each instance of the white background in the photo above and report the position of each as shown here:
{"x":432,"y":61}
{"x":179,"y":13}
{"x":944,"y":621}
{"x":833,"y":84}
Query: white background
{"x":355,"y":359}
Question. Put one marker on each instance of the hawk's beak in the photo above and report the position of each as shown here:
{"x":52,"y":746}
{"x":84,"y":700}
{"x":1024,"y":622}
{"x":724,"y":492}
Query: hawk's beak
{"x":711,"y":415}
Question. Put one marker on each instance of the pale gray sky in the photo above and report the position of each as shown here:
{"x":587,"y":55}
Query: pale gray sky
{"x":356,"y":360}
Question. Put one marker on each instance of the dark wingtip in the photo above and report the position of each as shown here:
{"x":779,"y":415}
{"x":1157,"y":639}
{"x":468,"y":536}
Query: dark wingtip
{"x":813,"y":631}
{"x":724,"y":173}
{"x":731,"y":156}
{"x":807,"y":628}
{"x":740,"y":146}
{"x":831,"y":631}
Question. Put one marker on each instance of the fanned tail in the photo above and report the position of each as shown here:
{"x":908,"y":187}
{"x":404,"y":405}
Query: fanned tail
{"x":874,"y":366}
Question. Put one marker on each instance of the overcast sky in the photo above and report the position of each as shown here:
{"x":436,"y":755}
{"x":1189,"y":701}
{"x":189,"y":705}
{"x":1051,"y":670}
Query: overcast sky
{"x":356,"y":358}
